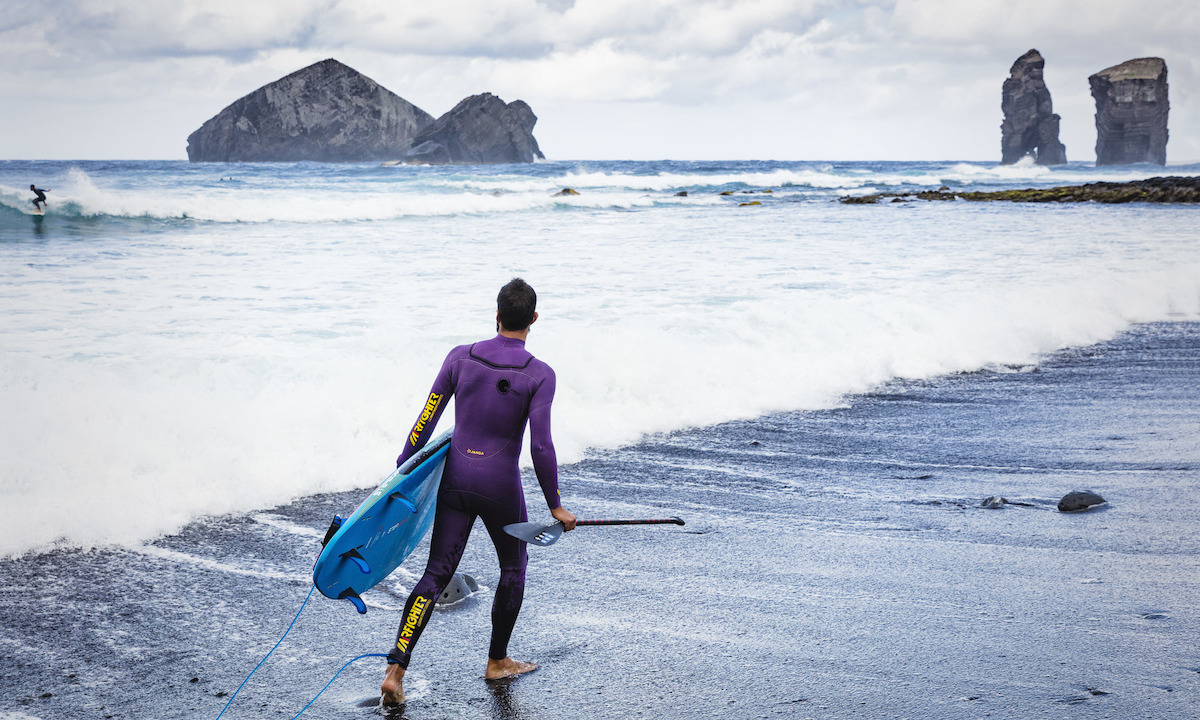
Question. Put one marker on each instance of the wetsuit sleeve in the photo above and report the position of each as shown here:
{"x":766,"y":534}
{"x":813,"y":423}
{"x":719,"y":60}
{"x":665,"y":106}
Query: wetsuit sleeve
{"x":541,"y":446}
{"x":439,"y":395}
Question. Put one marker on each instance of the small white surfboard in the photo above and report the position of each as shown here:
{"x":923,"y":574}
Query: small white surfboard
{"x":39,"y":211}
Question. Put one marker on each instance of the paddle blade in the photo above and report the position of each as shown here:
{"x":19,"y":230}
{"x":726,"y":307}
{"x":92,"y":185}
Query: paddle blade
{"x":536,"y":533}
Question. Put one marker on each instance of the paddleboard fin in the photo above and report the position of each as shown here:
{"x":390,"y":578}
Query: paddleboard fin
{"x":355,"y":600}
{"x":353,"y":556}
{"x":333,"y":528}
{"x":412,"y":507}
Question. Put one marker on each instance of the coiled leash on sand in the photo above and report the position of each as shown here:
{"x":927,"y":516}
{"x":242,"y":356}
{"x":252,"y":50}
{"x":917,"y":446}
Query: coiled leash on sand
{"x":272,"y":650}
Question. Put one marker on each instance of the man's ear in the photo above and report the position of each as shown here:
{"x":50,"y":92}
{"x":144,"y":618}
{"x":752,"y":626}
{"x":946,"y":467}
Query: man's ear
{"x":531,"y":322}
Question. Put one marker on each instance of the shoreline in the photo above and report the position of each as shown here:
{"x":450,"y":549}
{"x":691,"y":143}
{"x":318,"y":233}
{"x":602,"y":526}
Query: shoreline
{"x":836,"y":564}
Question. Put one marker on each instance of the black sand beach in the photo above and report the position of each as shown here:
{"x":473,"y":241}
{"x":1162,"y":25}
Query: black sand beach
{"x":835,"y":564}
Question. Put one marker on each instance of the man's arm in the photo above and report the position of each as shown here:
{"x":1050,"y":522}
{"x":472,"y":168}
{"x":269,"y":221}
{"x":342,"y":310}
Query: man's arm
{"x":422,"y":429}
{"x":541,"y":447}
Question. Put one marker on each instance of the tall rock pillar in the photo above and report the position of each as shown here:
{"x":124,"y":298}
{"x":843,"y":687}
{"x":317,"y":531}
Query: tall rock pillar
{"x":1131,"y":112}
{"x":1030,"y":126}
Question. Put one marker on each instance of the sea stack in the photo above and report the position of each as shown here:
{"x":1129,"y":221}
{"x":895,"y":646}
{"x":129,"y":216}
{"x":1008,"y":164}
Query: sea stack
{"x":480,"y":129}
{"x":1030,"y":127}
{"x":1131,"y":112}
{"x":326,"y":112}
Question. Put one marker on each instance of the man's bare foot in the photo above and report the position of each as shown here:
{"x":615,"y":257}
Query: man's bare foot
{"x":497,"y":669}
{"x":392,"y":690}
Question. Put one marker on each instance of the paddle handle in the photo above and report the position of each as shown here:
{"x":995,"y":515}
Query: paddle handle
{"x":663,"y":521}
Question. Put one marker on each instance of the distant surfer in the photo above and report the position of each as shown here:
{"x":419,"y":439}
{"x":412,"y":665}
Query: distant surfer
{"x":41,"y":197}
{"x":499,"y":387}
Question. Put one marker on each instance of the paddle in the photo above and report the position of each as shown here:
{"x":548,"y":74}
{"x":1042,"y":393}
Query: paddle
{"x":541,"y":534}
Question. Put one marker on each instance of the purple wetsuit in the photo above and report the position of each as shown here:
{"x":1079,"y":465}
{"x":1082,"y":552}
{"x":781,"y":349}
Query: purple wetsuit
{"x":499,"y":386}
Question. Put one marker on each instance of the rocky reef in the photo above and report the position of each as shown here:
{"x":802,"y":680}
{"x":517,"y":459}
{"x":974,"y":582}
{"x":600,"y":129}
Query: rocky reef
{"x":1155,"y":190}
{"x":1030,"y":127}
{"x":480,"y":129}
{"x":1131,"y":112}
{"x":325,"y":112}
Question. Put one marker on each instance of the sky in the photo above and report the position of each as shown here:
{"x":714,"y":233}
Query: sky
{"x":608,"y":79}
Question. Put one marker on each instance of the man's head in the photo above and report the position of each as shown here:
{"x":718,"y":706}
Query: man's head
{"x":31,"y":187}
{"x":516,"y":305}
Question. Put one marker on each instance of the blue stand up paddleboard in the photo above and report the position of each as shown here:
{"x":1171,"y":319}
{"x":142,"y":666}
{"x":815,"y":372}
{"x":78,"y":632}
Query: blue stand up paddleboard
{"x":366,"y":547}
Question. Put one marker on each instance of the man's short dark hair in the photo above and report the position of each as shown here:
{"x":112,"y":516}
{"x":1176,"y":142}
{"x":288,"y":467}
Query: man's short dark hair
{"x":516,"y":304}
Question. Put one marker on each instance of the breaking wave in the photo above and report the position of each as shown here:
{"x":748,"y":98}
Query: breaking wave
{"x":254,"y":194}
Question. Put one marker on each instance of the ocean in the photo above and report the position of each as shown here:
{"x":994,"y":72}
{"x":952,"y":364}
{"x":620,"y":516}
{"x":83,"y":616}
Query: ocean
{"x":201,"y":364}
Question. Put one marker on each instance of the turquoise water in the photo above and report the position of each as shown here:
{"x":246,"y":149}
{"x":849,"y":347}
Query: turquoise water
{"x":186,"y":340}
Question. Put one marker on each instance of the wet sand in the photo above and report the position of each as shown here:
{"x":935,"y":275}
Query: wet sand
{"x":835,"y":564}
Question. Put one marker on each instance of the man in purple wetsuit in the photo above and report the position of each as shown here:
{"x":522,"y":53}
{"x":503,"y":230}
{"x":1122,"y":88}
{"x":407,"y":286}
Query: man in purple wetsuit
{"x":499,"y":386}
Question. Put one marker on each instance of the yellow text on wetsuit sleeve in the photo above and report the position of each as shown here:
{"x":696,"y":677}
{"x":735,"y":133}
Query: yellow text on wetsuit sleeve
{"x":430,"y":408}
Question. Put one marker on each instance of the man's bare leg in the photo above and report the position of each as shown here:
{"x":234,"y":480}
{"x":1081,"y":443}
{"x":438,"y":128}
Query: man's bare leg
{"x":392,"y":690}
{"x":507,"y":667}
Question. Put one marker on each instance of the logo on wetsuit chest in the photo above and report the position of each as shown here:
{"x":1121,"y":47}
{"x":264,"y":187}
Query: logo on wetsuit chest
{"x":503,"y":386}
{"x":430,"y":409}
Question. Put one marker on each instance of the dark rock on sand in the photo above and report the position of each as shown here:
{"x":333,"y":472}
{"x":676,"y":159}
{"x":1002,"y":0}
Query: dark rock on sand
{"x":460,"y":586}
{"x":1155,"y":190}
{"x":1131,"y":112}
{"x":482,"y":129}
{"x":564,"y":193}
{"x":1030,"y":126}
{"x":326,"y":112}
{"x":1079,"y":501}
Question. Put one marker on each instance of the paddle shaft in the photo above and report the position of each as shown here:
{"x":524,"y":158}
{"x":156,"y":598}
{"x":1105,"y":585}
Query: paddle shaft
{"x":664,"y":521}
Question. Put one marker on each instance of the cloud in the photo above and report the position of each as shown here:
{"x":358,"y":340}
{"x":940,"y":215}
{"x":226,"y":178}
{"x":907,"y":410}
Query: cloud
{"x":929,"y":70}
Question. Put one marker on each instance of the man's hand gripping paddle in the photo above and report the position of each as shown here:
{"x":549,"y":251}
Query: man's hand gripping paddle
{"x":543,"y":535}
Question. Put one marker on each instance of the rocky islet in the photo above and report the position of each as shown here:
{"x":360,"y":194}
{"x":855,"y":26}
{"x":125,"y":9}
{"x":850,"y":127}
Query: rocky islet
{"x":480,"y":129}
{"x":1131,"y":112}
{"x":1030,"y":127}
{"x":330,"y":112}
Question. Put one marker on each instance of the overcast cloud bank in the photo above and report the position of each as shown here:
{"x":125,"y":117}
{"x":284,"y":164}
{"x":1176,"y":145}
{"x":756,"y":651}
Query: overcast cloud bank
{"x":703,"y":79}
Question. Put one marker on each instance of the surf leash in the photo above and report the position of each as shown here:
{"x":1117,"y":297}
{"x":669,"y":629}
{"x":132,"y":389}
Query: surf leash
{"x":260,"y":662}
{"x":335,"y":676}
{"x":280,"y":642}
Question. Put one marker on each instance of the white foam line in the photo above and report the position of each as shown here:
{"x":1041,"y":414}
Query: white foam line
{"x":381,"y":606}
{"x":280,"y":523}
{"x":17,"y":716}
{"x":1003,"y":468}
{"x":164,"y":554}
{"x":16,"y":646}
{"x":682,"y":484}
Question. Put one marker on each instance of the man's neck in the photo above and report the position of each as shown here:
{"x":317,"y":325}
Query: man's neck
{"x":515,"y":334}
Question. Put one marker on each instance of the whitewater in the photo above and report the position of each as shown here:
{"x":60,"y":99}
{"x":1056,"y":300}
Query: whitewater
{"x":181,"y":341}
